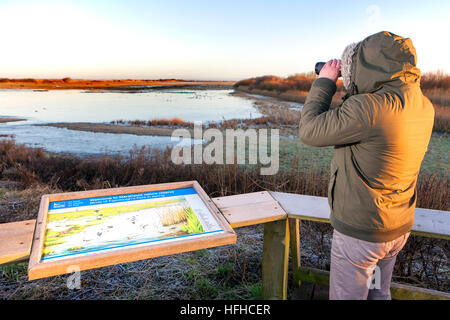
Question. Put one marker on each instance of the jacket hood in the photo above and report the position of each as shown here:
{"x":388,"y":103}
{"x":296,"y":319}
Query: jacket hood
{"x":382,"y":58}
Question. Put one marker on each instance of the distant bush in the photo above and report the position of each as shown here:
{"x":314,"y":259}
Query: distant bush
{"x":296,"y":82}
{"x":435,"y":80}
{"x":441,"y":119}
{"x":46,"y":81}
{"x":303,"y":81}
{"x":27,"y":80}
{"x":174,"y":122}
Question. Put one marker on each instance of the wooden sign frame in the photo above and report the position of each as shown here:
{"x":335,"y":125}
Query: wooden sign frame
{"x":38,"y":269}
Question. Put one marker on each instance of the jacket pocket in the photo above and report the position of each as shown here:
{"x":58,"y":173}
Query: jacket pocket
{"x":331,"y":184}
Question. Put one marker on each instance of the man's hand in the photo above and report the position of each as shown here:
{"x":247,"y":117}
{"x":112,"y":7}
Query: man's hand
{"x":331,"y":70}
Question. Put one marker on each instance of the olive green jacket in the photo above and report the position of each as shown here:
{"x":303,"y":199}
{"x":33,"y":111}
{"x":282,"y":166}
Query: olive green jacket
{"x":380,"y":133}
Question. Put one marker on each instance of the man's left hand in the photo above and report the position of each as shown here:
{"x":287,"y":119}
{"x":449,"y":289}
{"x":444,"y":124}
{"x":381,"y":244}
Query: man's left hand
{"x":331,"y":70}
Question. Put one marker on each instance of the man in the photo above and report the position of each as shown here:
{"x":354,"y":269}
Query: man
{"x":380,"y":135}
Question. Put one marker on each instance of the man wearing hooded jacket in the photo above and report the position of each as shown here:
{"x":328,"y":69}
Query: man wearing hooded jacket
{"x":380,"y":135}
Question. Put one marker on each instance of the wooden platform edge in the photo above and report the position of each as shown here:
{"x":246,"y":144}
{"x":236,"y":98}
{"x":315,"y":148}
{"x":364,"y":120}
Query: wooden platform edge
{"x":318,"y":211}
{"x":416,"y":233}
{"x":250,"y":209}
{"x":15,"y":241}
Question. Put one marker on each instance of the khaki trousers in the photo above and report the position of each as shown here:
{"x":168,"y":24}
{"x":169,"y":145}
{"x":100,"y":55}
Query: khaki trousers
{"x":362,"y":270}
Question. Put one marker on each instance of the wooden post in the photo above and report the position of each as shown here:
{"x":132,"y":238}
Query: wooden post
{"x":294,"y":231}
{"x":275,"y":260}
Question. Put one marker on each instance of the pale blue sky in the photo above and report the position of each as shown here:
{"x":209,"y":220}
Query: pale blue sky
{"x":205,"y":39}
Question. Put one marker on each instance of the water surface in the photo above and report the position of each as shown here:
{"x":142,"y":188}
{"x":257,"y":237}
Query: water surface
{"x":104,"y":106}
{"x":39,"y":107}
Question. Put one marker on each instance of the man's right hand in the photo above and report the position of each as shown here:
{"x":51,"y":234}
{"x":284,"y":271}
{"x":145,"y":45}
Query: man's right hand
{"x":331,"y":70}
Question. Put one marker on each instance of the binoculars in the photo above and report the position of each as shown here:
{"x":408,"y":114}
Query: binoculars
{"x":319,"y":66}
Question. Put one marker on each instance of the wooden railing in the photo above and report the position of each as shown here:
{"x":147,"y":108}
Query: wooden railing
{"x":280,"y":213}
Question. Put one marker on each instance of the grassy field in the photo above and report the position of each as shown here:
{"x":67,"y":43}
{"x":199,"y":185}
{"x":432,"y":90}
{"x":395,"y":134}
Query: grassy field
{"x":436,"y":159}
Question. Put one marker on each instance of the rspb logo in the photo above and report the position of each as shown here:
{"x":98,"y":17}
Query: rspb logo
{"x":58,"y":205}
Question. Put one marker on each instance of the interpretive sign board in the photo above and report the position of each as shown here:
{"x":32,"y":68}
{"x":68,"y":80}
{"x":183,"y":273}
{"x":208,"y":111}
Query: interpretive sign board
{"x":91,"y":229}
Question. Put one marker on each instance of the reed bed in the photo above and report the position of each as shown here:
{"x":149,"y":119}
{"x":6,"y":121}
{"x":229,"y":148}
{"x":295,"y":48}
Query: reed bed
{"x":441,"y":118}
{"x":173,"y":216}
{"x":173,"y":122}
